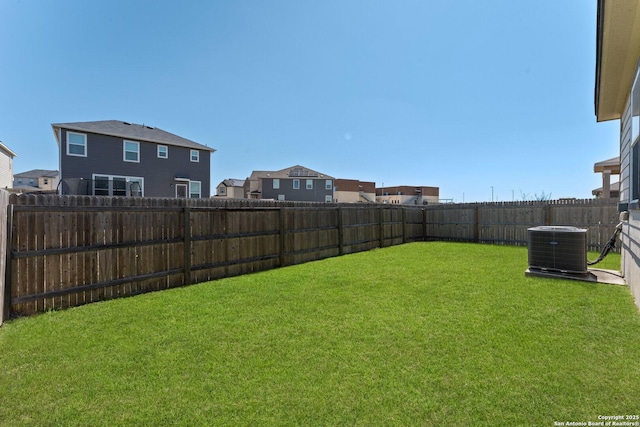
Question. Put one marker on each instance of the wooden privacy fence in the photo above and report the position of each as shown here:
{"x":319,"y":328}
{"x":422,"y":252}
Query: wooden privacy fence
{"x":66,"y":251}
{"x":72,"y":250}
{"x":507,"y":222}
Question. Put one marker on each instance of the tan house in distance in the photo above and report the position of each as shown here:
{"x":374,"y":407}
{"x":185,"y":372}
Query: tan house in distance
{"x":408,"y":195}
{"x":6,"y":166}
{"x":607,"y":168}
{"x":231,"y":189}
{"x":36,"y":180}
{"x":354,"y":191}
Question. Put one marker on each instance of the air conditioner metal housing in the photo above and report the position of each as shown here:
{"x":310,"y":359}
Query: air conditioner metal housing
{"x":558,"y":249}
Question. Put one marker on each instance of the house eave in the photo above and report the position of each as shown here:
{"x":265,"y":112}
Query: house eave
{"x":617,"y":53}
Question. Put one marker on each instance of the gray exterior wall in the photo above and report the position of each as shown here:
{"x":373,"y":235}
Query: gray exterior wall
{"x":105,"y":156}
{"x":630,"y":235}
{"x":317,"y":194}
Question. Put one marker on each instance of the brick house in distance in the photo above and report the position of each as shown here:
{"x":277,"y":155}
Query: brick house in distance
{"x":114,"y":158}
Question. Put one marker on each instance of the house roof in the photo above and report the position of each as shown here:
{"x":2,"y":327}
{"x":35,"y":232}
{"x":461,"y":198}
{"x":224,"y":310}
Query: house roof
{"x":615,"y":186}
{"x":7,"y":150}
{"x":617,"y":52}
{"x":37,"y":173}
{"x":232,"y":182}
{"x":296,"y":171}
{"x":131,"y":130}
{"x":612,"y":165}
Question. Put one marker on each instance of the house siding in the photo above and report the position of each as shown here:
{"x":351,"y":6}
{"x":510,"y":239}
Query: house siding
{"x":630,"y":236}
{"x":105,"y":156}
{"x":6,"y":170}
{"x":317,"y":194}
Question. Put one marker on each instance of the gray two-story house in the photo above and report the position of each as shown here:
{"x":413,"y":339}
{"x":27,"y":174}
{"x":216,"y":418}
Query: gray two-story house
{"x":114,"y":158}
{"x":293,"y":183}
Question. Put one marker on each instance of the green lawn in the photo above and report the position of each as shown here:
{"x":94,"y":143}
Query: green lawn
{"x":419,"y":334}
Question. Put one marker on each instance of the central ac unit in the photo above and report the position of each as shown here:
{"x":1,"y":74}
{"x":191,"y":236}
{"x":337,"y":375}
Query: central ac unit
{"x":557,"y":248}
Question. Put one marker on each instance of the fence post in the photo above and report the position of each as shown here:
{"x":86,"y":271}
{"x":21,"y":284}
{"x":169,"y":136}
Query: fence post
{"x":6,"y":226}
{"x":476,"y":224}
{"x":424,"y":225}
{"x":404,"y":225}
{"x":381,"y":225}
{"x":281,"y":221}
{"x":547,"y":214}
{"x":187,"y":245}
{"x":340,"y":231}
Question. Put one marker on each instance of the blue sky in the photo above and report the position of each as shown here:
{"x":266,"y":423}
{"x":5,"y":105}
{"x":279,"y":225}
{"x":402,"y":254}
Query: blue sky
{"x":481,"y":99}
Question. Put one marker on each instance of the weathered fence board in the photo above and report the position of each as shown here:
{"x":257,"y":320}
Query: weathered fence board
{"x":70,"y":250}
{"x":507,"y":223}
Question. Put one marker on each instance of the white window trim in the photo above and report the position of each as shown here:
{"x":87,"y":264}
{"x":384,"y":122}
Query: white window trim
{"x":166,"y":152}
{"x":309,"y":184}
{"x":296,"y":184}
{"x":124,"y":151}
{"x":199,"y":189}
{"x":84,"y":136}
{"x":197,"y":156}
{"x":328,"y":184}
{"x":111,"y":177}
{"x":276,"y":183}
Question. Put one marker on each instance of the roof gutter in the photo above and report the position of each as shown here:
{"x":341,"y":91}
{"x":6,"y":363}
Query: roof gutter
{"x":599,"y":37}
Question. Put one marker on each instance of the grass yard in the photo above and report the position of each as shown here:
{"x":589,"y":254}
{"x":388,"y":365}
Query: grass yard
{"x":420,"y":334}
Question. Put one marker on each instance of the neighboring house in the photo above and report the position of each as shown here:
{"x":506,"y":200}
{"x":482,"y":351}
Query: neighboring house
{"x":607,"y":168}
{"x":613,"y":191}
{"x":6,"y":166}
{"x":252,"y":188}
{"x":231,"y":189}
{"x":408,"y":195}
{"x":36,"y":180}
{"x":294,"y":183}
{"x":354,"y":191}
{"x":617,"y":97}
{"x":114,"y":158}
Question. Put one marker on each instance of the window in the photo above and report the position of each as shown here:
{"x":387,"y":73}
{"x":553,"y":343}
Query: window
{"x":296,"y":184}
{"x":276,"y":183}
{"x":19,"y":180}
{"x":109,"y":185}
{"x":195,"y":156}
{"x":76,"y":144}
{"x":327,"y":198}
{"x":194,"y":189}
{"x":163,"y":152}
{"x":45,"y":181}
{"x":309,"y":184}
{"x":131,"y":151}
{"x":328,"y":185}
{"x":31,"y":181}
{"x":281,"y":197}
